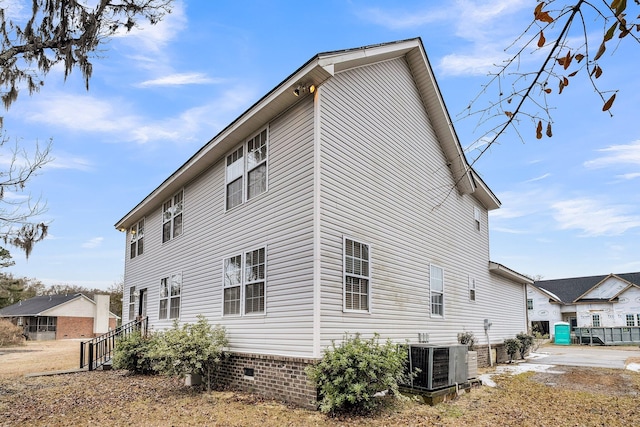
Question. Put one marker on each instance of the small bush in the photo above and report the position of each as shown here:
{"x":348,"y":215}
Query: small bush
{"x":10,"y":334}
{"x":526,"y":342}
{"x":134,"y":353}
{"x":512,"y":345}
{"x":467,"y":338}
{"x":191,"y":349}
{"x":350,"y":374}
{"x":538,"y":339}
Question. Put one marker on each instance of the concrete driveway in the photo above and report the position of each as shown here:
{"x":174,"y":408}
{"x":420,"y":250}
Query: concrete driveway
{"x":584,"y":355}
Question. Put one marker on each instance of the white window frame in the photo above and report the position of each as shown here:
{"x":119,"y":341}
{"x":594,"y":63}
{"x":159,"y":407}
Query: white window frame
{"x":435,"y":292}
{"x":357,"y":275}
{"x":136,"y":239}
{"x":231,"y":282}
{"x":245,"y":282}
{"x":595,"y":318}
{"x":132,"y":303}
{"x":171,"y":295}
{"x":472,"y":289}
{"x":477,"y":217}
{"x":244,"y":165}
{"x":172,"y":209}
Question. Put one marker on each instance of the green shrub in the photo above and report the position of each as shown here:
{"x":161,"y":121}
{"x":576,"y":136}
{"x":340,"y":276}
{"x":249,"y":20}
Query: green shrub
{"x":526,"y":342}
{"x":350,"y":374}
{"x":467,"y":338}
{"x":191,"y":349}
{"x":512,"y":345}
{"x":134,"y":353}
{"x":10,"y":334}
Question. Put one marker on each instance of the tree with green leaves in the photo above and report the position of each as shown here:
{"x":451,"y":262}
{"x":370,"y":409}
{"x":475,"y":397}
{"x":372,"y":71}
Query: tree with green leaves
{"x":67,"y":32}
{"x":571,"y":38}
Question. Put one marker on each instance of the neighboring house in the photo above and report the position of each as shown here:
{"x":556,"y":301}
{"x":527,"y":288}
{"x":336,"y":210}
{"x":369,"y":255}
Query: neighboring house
{"x":595,"y":301}
{"x":340,"y":202}
{"x":51,"y":317}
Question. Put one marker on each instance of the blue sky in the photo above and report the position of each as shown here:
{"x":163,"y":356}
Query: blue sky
{"x":570,"y":204}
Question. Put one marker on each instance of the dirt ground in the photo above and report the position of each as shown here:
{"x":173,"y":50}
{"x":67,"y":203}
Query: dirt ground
{"x":576,"y":397}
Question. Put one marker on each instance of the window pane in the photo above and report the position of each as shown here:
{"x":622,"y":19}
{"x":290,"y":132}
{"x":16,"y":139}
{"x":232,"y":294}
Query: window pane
{"x":164,"y":288}
{"x":257,"y":150}
{"x":162,"y":314}
{"x":176,"y":283}
{"x":166,"y":232}
{"x":133,"y":250}
{"x":254,"y":267}
{"x":140,"y":246}
{"x":436,"y":304}
{"x":254,"y":298}
{"x":175,"y":308}
{"x":257,"y":181}
{"x":232,"y":300}
{"x":356,"y":293}
{"x":177,"y":226}
{"x":234,"y":193}
{"x":235,"y":165}
{"x":232,"y":271}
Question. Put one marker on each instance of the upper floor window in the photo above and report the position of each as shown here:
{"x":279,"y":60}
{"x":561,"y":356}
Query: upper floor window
{"x":357,"y":275}
{"x":172,"y":217}
{"x":136,"y":237}
{"x":472,"y":289}
{"x":436,"y":286}
{"x":529,"y":304}
{"x":170,"y":291}
{"x":244,"y":283}
{"x":476,"y":217}
{"x":595,"y":320}
{"x":246,"y":175}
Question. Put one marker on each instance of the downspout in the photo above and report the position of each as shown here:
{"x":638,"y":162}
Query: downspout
{"x":317,"y":265}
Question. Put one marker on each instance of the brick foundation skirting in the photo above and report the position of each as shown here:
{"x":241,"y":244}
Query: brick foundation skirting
{"x":276,"y":377}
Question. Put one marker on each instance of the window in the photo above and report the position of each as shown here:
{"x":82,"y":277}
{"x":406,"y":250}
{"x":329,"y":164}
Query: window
{"x":250,"y":169}
{"x":631,"y":320}
{"x":232,"y":284}
{"x":595,"y":320}
{"x":172,"y":217}
{"x":436,"y":287}
{"x":42,"y":324}
{"x":357,"y":275}
{"x":136,"y":235}
{"x":476,"y":217}
{"x":245,"y":283}
{"x":170,"y":290}
{"x":472,"y":289}
{"x":132,"y":302}
{"x":529,"y":304}
{"x":638,"y":319}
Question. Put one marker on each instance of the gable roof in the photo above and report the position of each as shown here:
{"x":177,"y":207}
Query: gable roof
{"x":36,"y":305}
{"x":571,"y":289}
{"x":315,"y":72}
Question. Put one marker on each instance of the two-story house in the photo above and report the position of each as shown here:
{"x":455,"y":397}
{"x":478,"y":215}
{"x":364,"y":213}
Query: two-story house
{"x":341,"y":201}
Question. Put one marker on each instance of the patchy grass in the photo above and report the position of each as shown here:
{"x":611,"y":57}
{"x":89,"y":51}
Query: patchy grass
{"x":578,"y":397}
{"x":39,"y":356}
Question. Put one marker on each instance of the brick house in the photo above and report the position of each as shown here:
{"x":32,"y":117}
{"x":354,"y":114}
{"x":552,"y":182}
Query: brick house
{"x":51,"y":317}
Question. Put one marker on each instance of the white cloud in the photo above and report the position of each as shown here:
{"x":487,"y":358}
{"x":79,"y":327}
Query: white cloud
{"x":539,"y":178}
{"x":594,"y":217}
{"x":93,"y":243}
{"x":617,"y":155}
{"x":628,"y":176}
{"x":119,"y":123}
{"x":62,"y":161}
{"x":180,"y":79}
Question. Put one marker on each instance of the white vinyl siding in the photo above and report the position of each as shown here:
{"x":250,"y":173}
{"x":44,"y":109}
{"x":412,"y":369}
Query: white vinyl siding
{"x":436,"y":288}
{"x":279,"y":220}
{"x":380,"y":158}
{"x":357,"y":275}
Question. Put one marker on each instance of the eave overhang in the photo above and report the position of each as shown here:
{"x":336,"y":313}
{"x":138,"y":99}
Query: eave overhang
{"x":510,"y":274}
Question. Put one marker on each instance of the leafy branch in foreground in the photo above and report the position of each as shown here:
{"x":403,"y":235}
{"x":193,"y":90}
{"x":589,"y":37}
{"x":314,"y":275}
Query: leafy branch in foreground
{"x":569,"y":46}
